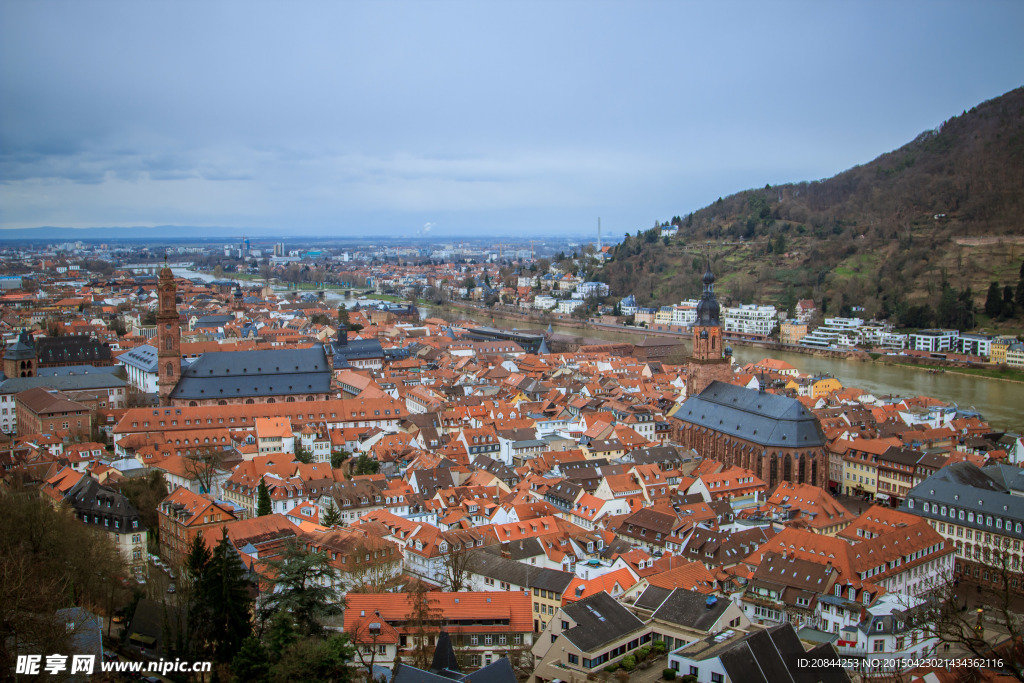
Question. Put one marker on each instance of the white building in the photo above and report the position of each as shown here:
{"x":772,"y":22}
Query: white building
{"x":751,"y":319}
{"x":140,"y":366}
{"x":835,"y":333}
{"x":934,"y":341}
{"x":585,"y":289}
{"x":544,"y":302}
{"x":685,"y":313}
{"x":569,"y":305}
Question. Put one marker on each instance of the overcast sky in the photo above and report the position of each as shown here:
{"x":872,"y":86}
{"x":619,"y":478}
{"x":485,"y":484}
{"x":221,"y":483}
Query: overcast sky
{"x":358,"y":118}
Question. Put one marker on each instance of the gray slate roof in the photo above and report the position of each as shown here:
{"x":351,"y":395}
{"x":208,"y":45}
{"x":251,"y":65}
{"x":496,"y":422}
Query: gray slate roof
{"x":690,"y":608}
{"x":770,"y":420}
{"x":99,"y":380}
{"x":771,"y":657}
{"x":600,"y":620}
{"x":234,"y":374}
{"x":143,"y":357}
{"x":518,"y":573}
{"x":966,"y":487}
{"x":652,"y":598}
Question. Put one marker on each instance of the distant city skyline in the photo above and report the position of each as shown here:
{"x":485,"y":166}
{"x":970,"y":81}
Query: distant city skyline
{"x":455,"y":118}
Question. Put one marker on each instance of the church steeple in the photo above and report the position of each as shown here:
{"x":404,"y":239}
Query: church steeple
{"x":708,"y":310}
{"x":711,"y":359}
{"x":168,"y":336}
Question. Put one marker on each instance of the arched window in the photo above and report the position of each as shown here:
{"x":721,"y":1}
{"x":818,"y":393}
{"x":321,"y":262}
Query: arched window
{"x":170,"y":344}
{"x":169,"y":369}
{"x":249,"y":401}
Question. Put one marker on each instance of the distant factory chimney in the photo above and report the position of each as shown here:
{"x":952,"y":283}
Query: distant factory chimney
{"x":599,"y":234}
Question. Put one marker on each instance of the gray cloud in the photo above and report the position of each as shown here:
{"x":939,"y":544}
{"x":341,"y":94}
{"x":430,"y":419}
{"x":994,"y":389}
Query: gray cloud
{"x":493,"y":115}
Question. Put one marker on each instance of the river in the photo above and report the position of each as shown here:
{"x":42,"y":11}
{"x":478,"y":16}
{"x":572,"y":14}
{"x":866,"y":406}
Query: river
{"x":1001,"y":403}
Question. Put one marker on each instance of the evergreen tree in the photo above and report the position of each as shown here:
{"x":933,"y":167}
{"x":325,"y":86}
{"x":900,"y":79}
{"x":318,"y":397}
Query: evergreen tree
{"x":947,"y":311}
{"x":197,"y":558}
{"x":332,"y":517}
{"x":227,"y":590}
{"x":965,"y":310}
{"x":1009,"y":308}
{"x":343,"y":320}
{"x":280,"y":633}
{"x":1018,"y":298}
{"x":263,"y":505}
{"x":250,"y":664}
{"x":993,"y":301}
{"x":304,"y":586}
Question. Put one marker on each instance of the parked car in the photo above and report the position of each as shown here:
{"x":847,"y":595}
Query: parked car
{"x":171,"y":588}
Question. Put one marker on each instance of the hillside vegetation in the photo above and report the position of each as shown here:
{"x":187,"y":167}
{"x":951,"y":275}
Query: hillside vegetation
{"x":917,"y":235}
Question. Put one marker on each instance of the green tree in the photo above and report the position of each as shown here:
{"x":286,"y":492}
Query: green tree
{"x":332,"y":516}
{"x":250,"y":664}
{"x":339,"y":457}
{"x":221,"y":603}
{"x":365,"y":465}
{"x":280,"y":633}
{"x":1008,"y":309}
{"x":1018,"y":298}
{"x":315,"y":659}
{"x":993,"y":301}
{"x":468,"y":283}
{"x":302,"y":455}
{"x":263,"y":505}
{"x":304,"y":586}
{"x":343,"y":319}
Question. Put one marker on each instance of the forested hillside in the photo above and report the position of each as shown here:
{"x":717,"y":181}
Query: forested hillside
{"x":918,"y":234}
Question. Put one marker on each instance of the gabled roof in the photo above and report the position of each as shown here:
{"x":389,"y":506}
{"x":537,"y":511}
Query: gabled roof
{"x":600,"y":620}
{"x":770,"y":420}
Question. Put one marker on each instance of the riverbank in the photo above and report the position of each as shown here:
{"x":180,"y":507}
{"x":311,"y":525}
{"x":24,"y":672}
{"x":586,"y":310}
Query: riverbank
{"x":853,"y":355}
{"x":1008,"y":375}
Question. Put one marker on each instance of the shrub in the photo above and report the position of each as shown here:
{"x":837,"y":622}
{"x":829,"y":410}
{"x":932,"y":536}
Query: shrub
{"x":643,"y":652}
{"x":629,"y":662}
{"x":669,"y":674}
{"x":659,"y":647}
{"x":611,"y":668}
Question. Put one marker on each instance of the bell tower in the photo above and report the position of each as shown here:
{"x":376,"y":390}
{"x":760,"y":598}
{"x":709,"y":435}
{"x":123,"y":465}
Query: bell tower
{"x":711,"y":359}
{"x":168,"y":335}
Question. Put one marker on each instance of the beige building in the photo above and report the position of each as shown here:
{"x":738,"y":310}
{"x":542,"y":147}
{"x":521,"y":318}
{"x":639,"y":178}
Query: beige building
{"x":584,"y":637}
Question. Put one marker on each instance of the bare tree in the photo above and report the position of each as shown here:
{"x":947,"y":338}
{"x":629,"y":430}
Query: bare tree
{"x":458,"y":547}
{"x":995,"y":631}
{"x":203,"y":465}
{"x":424,"y":626}
{"x":366,"y":640}
{"x":375,"y":568}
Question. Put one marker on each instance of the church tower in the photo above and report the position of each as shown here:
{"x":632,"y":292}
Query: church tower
{"x":168,"y":335}
{"x":711,"y":359}
{"x":20,"y":359}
